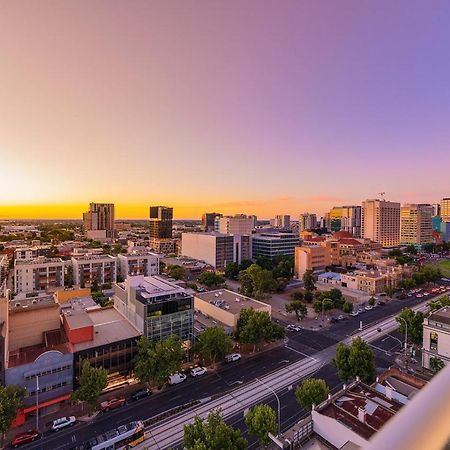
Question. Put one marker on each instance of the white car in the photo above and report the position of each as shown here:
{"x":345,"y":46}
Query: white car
{"x":293,"y":328}
{"x":354,"y":313}
{"x":63,"y":422}
{"x":197,"y":371}
{"x":232,"y":357}
{"x":368,"y":308}
{"x":177,"y":378}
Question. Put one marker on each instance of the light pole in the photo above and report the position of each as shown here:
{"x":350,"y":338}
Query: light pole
{"x":406,"y":332}
{"x":37,"y":402}
{"x":278,"y":401}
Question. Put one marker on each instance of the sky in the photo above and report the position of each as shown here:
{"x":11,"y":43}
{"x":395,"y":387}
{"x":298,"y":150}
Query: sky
{"x":259,"y":107}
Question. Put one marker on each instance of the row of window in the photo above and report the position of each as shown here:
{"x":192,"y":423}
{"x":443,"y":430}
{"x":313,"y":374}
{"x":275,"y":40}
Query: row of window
{"x":47,"y":388}
{"x":49,"y":372}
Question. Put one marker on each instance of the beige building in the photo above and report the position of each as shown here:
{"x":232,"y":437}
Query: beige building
{"x":381,"y":222}
{"x":137,"y":263}
{"x":239,"y":224}
{"x":99,"y":221}
{"x":445,"y":209}
{"x":282,"y":221}
{"x":40,"y":274}
{"x":416,"y":225}
{"x":307,"y":221}
{"x":88,"y":268}
{"x":223,"y":307}
{"x":436,"y":337}
{"x":310,"y":258}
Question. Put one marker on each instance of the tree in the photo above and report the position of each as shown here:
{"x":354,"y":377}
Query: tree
{"x":309,"y":296}
{"x":175,"y":271}
{"x":414,"y":321}
{"x":246,"y":283}
{"x":261,"y":420}
{"x":68,"y":277}
{"x":347,"y":307}
{"x":155,"y":361}
{"x":232,"y":270}
{"x":211,"y":279}
{"x":354,"y":360}
{"x":311,"y":391}
{"x":212,"y":434}
{"x":299,"y":308}
{"x":94,"y":286}
{"x":213,"y":344}
{"x":257,"y":281}
{"x":371,"y":301}
{"x":10,"y":401}
{"x":298,"y":296}
{"x":91,"y":384}
{"x":436,"y":364}
{"x":308,"y":281}
{"x":439,"y":303}
{"x":411,"y":249}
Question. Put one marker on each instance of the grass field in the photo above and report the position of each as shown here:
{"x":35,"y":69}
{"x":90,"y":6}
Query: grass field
{"x":445,"y":268}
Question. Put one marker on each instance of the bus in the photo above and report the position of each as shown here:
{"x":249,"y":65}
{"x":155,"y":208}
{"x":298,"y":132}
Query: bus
{"x":123,"y":437}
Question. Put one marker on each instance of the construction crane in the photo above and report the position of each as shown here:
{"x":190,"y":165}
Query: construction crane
{"x":382,"y":194}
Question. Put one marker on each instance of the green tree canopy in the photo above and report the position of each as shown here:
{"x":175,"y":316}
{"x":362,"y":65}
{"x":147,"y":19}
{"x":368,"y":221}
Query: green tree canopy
{"x":10,"y":401}
{"x":312,"y":391}
{"x":354,"y":360}
{"x":211,"y":279}
{"x":155,"y":361}
{"x":308,"y":281}
{"x":212,"y":434}
{"x":261,"y":420}
{"x":232,"y":270}
{"x":91,"y":384}
{"x":213,"y":344}
{"x":414,"y":321}
{"x":436,"y":364}
{"x":298,"y":308}
{"x":175,"y":271}
{"x":347,"y":307}
{"x":439,"y":303}
{"x":256,"y":281}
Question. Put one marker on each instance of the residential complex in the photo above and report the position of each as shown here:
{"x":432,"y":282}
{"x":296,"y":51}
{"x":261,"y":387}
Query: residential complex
{"x":137,"y":263}
{"x":160,"y":233}
{"x":99,"y":221}
{"x":156,"y":307}
{"x":436,"y":337}
{"x":381,"y":222}
{"x":270,"y":245}
{"x":238,"y":224}
{"x":87,"y":268}
{"x":32,"y":252}
{"x":416,"y":224}
{"x":307,"y":221}
{"x":39,"y":274}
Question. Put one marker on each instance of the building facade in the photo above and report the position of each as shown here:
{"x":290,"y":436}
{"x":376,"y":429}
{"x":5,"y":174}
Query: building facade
{"x":33,"y":252}
{"x":99,"y":221}
{"x":88,"y":268}
{"x":345,"y":218}
{"x":208,"y":221}
{"x":416,"y":226}
{"x":161,"y":222}
{"x":282,"y":221}
{"x":40,"y":274}
{"x":137,"y":263}
{"x":270,"y":245}
{"x":445,"y":209}
{"x":239,"y":224}
{"x":307,"y":221}
{"x":315,"y":258}
{"x":436,"y":337}
{"x":381,"y":222}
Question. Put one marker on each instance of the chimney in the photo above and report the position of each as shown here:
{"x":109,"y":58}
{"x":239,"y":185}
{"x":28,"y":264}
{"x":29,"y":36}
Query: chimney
{"x":362,"y":415}
{"x":389,"y":392}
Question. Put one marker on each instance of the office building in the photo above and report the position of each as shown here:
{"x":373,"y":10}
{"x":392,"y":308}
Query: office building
{"x":307,"y":221}
{"x":315,"y":258}
{"x":381,"y":222}
{"x":156,"y":307}
{"x":436,"y":209}
{"x":345,"y":218}
{"x":445,"y":209}
{"x":99,"y":221}
{"x":416,"y":224}
{"x":216,"y":249}
{"x":282,"y":221}
{"x":445,"y":231}
{"x":87,"y":268}
{"x":208,"y":221}
{"x":40,"y":274}
{"x":270,"y":245}
{"x":161,"y":221}
{"x":436,"y":223}
{"x":137,"y":263}
{"x":239,"y":224}
{"x":436,"y":337}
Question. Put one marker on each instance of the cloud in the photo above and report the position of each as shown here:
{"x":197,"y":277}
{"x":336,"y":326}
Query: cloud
{"x":324,"y":198}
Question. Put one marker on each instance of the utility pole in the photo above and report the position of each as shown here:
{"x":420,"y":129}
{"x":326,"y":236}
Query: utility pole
{"x":278,"y":401}
{"x":37,"y":402}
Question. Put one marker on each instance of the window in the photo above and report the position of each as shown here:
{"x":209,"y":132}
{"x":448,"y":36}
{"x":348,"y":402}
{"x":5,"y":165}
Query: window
{"x":434,"y":341}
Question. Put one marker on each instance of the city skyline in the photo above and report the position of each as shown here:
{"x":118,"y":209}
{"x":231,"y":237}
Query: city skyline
{"x":213,"y":106}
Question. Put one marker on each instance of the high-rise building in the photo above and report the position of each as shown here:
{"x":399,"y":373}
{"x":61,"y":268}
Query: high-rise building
{"x":445,"y":209}
{"x":271,"y":245}
{"x":307,"y":221}
{"x":345,"y":218}
{"x":99,"y":221}
{"x":208,"y":220}
{"x":282,"y":221}
{"x":416,"y":224}
{"x":161,"y":220}
{"x":381,"y":222}
{"x":436,"y":209}
{"x":238,"y":224}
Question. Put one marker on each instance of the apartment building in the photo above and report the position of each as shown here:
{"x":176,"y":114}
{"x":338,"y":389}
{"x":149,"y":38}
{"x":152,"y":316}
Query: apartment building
{"x":445,"y":209}
{"x":436,"y":337}
{"x":40,"y":274}
{"x":137,"y":263}
{"x":208,"y":221}
{"x":282,"y":221}
{"x":32,"y":252}
{"x":307,"y":221}
{"x":99,"y":221}
{"x":238,"y":224}
{"x":270,"y":245}
{"x":315,"y":258}
{"x":161,"y":222}
{"x":381,"y":222}
{"x":416,"y":225}
{"x":156,"y":307}
{"x":87,"y":268}
{"x":345,"y":218}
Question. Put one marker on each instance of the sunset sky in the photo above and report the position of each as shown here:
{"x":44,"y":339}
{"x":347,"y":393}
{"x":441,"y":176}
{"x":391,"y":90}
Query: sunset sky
{"x":262,"y":107}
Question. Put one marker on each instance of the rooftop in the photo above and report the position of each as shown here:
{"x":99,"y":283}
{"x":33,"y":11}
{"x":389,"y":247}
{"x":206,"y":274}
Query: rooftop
{"x":37,"y":261}
{"x":230,"y":301}
{"x":155,"y":286}
{"x":90,"y":257}
{"x":441,"y":315}
{"x":330,"y":275}
{"x":32,"y":302}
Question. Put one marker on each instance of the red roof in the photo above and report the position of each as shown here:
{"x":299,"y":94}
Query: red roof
{"x":351,"y":241}
{"x":342,"y":234}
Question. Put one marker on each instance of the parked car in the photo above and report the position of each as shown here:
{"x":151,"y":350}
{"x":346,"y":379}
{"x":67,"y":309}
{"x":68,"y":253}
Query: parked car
{"x":142,"y":393}
{"x":112,"y":403}
{"x":354,"y":313}
{"x":340,"y":317}
{"x":63,"y":422}
{"x":368,"y":308}
{"x":293,"y":328}
{"x":197,"y":371}
{"x":232,"y":357}
{"x":177,"y":378}
{"x":25,"y":438}
{"x":381,"y":303}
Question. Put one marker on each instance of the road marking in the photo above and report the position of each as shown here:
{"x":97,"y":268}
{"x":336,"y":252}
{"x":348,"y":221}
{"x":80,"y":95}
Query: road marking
{"x":73,"y":438}
{"x":300,"y":353}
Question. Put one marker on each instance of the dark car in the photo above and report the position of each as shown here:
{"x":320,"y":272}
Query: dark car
{"x":142,"y":393}
{"x":25,"y":438}
{"x":381,"y":303}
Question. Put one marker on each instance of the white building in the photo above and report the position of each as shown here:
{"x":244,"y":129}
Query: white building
{"x":32,"y":252}
{"x":307,"y":221}
{"x":239,"y":224}
{"x":31,"y":275}
{"x":137,"y":263}
{"x":282,"y":221}
{"x":381,"y":222}
{"x":88,"y":268}
{"x":436,"y":337}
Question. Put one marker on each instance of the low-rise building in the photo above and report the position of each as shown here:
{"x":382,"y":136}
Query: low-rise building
{"x":270,"y":245}
{"x":223,"y":307}
{"x":32,"y":252}
{"x":315,"y":258}
{"x":436,"y":337}
{"x":40,"y":274}
{"x":88,"y":268}
{"x":137,"y":263}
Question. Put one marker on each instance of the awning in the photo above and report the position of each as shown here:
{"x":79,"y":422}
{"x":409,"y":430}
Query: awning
{"x":53,"y":401}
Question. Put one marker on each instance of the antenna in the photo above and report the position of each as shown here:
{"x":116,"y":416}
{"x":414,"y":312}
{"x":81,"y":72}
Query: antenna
{"x":382,"y":194}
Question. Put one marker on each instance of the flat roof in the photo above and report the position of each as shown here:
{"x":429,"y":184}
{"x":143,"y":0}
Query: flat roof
{"x":156,"y":285}
{"x":441,"y":315}
{"x":229,"y":300}
{"x":77,"y":319}
{"x":37,"y":261}
{"x":35,"y":302}
{"x":91,"y":257}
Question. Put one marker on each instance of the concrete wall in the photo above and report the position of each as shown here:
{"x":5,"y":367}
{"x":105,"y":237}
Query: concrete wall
{"x":215,"y":313}
{"x":64,"y":296}
{"x":199,"y":246}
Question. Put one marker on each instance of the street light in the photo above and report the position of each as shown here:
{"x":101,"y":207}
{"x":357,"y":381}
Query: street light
{"x":37,"y":402}
{"x":278,"y":401}
{"x":406,"y":332}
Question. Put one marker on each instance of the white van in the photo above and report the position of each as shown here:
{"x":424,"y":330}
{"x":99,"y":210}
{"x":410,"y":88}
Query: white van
{"x":177,"y":378}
